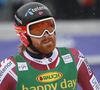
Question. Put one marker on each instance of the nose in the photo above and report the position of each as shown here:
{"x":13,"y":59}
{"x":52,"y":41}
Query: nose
{"x":46,"y":34}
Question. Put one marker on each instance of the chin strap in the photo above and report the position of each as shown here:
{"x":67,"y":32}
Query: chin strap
{"x":34,"y":49}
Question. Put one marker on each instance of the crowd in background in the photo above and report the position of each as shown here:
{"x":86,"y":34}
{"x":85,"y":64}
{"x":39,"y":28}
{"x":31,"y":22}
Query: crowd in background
{"x":61,"y":9}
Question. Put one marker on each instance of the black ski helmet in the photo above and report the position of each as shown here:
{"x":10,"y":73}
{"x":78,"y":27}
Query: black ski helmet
{"x":28,"y":13}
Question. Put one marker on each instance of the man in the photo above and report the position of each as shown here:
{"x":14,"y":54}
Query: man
{"x":40,"y":65}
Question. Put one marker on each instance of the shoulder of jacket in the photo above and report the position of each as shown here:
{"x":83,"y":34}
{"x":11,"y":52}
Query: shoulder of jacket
{"x":7,"y":61}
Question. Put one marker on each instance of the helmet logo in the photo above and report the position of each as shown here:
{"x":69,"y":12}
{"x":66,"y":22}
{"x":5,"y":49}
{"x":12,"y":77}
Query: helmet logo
{"x":36,"y":9}
{"x":29,"y":12}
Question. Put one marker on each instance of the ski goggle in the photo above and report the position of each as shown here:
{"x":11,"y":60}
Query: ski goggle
{"x":38,"y":28}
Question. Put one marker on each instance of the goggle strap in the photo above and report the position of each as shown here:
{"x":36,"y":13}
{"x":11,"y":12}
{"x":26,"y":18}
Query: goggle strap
{"x":20,"y":28}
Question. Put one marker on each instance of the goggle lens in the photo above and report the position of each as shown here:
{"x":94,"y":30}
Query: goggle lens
{"x":38,"y":28}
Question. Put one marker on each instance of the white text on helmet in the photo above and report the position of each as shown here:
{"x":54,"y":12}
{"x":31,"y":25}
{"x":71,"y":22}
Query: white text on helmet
{"x":39,"y":8}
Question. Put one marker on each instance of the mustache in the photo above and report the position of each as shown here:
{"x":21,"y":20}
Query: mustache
{"x":47,"y":39}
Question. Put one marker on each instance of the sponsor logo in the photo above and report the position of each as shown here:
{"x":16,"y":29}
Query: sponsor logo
{"x":5,"y":68}
{"x":67,"y":58}
{"x":83,"y":59}
{"x":94,"y":83}
{"x":31,"y":11}
{"x":22,"y":66}
{"x":18,"y":28}
{"x":38,"y":61}
{"x":49,"y":77}
{"x":64,"y":84}
{"x":88,"y":67}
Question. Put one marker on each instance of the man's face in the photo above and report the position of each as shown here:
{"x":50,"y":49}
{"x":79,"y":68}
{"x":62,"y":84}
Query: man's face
{"x":45,"y":44}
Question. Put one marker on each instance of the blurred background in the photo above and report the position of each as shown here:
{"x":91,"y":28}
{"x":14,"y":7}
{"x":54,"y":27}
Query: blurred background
{"x":78,"y":26}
